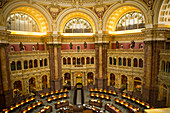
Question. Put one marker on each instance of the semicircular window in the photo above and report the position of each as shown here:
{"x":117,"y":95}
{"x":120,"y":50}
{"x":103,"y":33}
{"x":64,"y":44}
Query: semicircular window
{"x":78,"y":25}
{"x":131,"y":20}
{"x":22,"y":22}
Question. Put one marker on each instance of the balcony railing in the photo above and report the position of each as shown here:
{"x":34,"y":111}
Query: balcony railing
{"x":84,"y":50}
{"x":26,"y":53}
{"x":125,"y":50}
{"x":165,"y":52}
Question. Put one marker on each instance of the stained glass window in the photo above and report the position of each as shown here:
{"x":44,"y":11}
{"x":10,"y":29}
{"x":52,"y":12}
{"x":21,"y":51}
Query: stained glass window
{"x":131,"y":20}
{"x":22,"y":22}
{"x":78,"y":25}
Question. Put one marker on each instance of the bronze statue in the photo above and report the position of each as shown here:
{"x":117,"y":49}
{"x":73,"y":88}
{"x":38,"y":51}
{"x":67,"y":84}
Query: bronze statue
{"x":117,"y":44}
{"x":21,"y":46}
{"x":133,"y":43}
{"x":37,"y":46}
{"x":71,"y":45}
{"x":85,"y":45}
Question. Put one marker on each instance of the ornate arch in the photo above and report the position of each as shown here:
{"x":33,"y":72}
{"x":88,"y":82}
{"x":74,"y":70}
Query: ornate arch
{"x":156,"y":8}
{"x":116,"y":9}
{"x":32,"y":9}
{"x":87,"y":14}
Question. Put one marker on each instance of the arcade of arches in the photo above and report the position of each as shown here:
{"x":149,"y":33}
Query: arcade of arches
{"x":121,"y":45}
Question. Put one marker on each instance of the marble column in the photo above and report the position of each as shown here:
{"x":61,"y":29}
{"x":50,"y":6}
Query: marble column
{"x":168,"y":96}
{"x":154,"y":42}
{"x":100,"y":61}
{"x":55,"y":62}
{"x":6,"y":92}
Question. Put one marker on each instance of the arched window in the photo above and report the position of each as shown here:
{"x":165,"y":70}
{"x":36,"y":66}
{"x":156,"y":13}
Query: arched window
{"x":17,"y":88}
{"x":163,"y":66}
{"x":141,"y":46}
{"x":110,"y":60}
{"x":135,"y":62}
{"x":140,"y":62}
{"x":120,"y":61}
{"x":45,"y":62}
{"x":69,"y":60}
{"x":124,"y":61}
{"x":30,"y":64}
{"x":87,"y":60}
{"x":168,"y":67}
{"x":19,"y":65}
{"x":130,"y":46}
{"x":25,"y":64}
{"x":129,"y":62}
{"x":131,"y":20}
{"x":74,"y":61}
{"x":82,"y":60}
{"x":121,"y":46}
{"x":64,"y":61}
{"x":112,"y":79}
{"x":137,"y":84}
{"x":44,"y":81}
{"x":12,"y":66}
{"x":33,"y":48}
{"x":35,"y":63}
{"x":12,"y":48}
{"x":92,"y":60}
{"x":78,"y":25}
{"x":90,"y":78}
{"x":22,"y":22}
{"x":67,"y":79}
{"x":163,"y":92}
{"x":114,"y":59}
{"x":41,"y":62}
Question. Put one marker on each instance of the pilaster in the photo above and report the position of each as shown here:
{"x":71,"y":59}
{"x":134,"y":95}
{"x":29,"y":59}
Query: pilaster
{"x":101,"y":45}
{"x":5,"y":83}
{"x":154,"y":42}
{"x":54,"y":45}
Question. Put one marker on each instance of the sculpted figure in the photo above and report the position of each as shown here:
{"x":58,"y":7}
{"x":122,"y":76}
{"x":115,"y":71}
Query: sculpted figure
{"x":85,"y":45}
{"x":71,"y":45}
{"x":117,"y":44}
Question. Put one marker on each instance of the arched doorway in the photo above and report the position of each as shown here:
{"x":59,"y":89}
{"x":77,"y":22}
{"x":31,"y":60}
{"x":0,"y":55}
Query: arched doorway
{"x":44,"y":81}
{"x":90,"y":77}
{"x":137,"y":84}
{"x":17,"y":88}
{"x":112,"y":79}
{"x":163,"y":92}
{"x":123,"y":82}
{"x":32,"y":85}
{"x":78,"y":78}
{"x":67,"y":79}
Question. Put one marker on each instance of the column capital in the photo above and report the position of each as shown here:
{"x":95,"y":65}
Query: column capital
{"x":156,"y":34}
{"x":102,"y":37}
{"x":4,"y":36}
{"x":53,"y":38}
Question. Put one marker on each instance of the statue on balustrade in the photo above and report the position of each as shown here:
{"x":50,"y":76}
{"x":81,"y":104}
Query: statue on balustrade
{"x":117,"y":44}
{"x":37,"y":46}
{"x":133,"y":43}
{"x":21,"y":46}
{"x":71,"y":45}
{"x":85,"y":45}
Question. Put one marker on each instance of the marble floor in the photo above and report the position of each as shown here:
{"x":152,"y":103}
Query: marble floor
{"x":86,"y":101}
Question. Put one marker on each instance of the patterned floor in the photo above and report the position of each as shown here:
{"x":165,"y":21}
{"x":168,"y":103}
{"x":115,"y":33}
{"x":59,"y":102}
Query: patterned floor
{"x":86,"y":100}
